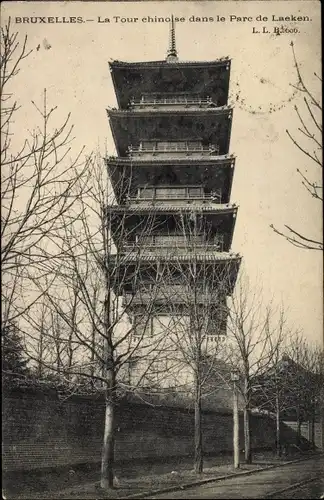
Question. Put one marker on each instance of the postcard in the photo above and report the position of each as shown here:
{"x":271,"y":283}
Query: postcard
{"x":161,"y":247}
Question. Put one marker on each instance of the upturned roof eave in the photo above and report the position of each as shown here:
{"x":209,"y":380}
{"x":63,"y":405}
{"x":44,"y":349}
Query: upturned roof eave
{"x":124,"y":209}
{"x":200,"y":257}
{"x":121,"y":118}
{"x":233,"y":228}
{"x":115,"y":166}
{"x":120,"y":211}
{"x":163,"y":62}
{"x":116,"y":113}
{"x":220,"y":159}
{"x":117,"y":68}
{"x":233,"y":260}
{"x":115,"y":86}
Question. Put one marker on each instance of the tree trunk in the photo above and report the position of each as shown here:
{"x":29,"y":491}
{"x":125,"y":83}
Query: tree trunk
{"x":298,"y":434}
{"x":108,"y":447}
{"x":198,"y":430}
{"x":321,"y":411}
{"x":247,"y":436}
{"x":311,"y":431}
{"x":40,"y":354}
{"x":236,"y":430}
{"x":278,"y":427}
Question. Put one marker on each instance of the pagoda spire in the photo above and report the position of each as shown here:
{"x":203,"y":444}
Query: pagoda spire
{"x":172,"y":54}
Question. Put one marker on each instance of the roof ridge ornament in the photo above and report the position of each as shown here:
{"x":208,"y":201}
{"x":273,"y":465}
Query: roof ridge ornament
{"x":172,"y":54}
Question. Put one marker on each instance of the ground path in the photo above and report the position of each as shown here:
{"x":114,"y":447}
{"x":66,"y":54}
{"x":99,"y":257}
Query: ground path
{"x":304,"y":479}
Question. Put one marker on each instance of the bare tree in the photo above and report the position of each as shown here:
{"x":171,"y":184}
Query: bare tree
{"x":273,"y":390}
{"x":309,"y":143}
{"x":41,"y":343}
{"x":255,"y":335}
{"x":50,"y":342}
{"x":306,"y":382}
{"x":100,"y":269}
{"x":39,"y":183}
{"x":196,"y":277}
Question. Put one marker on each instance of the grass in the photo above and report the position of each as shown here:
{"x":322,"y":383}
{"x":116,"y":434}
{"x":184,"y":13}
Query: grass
{"x":132,"y":478}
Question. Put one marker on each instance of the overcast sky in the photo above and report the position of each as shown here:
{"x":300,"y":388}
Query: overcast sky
{"x":266,"y":185}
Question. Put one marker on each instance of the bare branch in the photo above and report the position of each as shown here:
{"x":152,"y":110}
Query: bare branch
{"x":311,"y":148}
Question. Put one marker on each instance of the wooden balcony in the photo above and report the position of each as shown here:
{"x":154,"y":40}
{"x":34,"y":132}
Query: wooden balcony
{"x":171,"y":101}
{"x":178,"y":149}
{"x":174,"y":294}
{"x":149,"y":243}
{"x":159,"y":193}
{"x":173,"y":196}
{"x":208,"y":127}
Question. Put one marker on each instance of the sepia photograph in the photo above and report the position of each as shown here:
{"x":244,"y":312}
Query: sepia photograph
{"x":162,"y":249}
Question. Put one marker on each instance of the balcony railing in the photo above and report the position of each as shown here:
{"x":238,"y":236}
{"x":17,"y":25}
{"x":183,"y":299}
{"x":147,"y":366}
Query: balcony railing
{"x":209,"y":341}
{"x":173,"y":243}
{"x":149,"y":194}
{"x":189,"y":244}
{"x":173,"y":295}
{"x":173,"y":148}
{"x":173,"y":101}
{"x":174,"y":196}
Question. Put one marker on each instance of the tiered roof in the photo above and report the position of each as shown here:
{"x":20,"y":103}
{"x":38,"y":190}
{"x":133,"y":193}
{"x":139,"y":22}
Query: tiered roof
{"x":142,"y":117}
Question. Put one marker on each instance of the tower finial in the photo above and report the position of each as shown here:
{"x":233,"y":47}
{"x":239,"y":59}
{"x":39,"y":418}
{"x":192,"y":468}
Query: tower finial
{"x":172,"y":54}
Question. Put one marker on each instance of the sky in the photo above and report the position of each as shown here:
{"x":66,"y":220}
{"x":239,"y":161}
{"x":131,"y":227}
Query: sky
{"x":72,"y":64}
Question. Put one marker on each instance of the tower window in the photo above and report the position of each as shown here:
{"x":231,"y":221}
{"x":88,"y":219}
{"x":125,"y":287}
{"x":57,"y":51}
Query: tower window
{"x":195,"y":192}
{"x":170,"y":192}
{"x":142,"y":326}
{"x":147,"y":193}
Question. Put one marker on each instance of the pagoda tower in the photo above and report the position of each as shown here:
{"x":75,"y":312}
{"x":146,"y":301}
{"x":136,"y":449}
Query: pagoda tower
{"x":172,"y":133}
